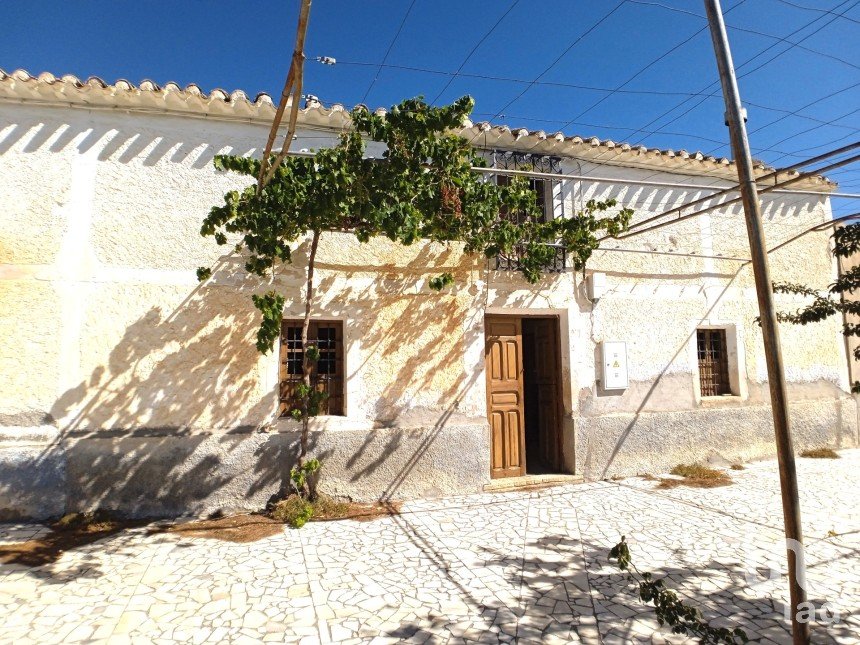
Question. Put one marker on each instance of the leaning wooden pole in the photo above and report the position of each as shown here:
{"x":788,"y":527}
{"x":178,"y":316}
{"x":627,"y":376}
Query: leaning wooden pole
{"x":294,"y":80}
{"x":770,"y":329}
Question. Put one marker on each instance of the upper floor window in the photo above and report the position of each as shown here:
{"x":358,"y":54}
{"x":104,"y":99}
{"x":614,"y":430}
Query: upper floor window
{"x":327,"y":374}
{"x":547,"y":194}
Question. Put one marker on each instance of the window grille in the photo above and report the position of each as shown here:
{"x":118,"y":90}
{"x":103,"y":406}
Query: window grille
{"x":548,"y":196}
{"x":713,"y":362}
{"x":327,"y":374}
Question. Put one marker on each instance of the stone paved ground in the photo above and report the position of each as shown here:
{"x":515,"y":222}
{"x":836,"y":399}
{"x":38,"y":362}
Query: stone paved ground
{"x":526,"y":567}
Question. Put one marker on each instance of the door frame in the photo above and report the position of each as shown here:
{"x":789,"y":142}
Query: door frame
{"x":559,"y":389}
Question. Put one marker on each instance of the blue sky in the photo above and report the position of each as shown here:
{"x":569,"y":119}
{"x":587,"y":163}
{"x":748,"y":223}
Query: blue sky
{"x":654,"y":53}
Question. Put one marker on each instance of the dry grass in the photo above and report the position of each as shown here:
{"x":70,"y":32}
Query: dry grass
{"x":325,"y":509}
{"x":697,"y":476}
{"x":737,"y":467}
{"x":820,"y":453}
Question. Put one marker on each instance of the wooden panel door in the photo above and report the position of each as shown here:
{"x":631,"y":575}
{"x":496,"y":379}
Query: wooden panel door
{"x":548,"y":386}
{"x":505,"y":407}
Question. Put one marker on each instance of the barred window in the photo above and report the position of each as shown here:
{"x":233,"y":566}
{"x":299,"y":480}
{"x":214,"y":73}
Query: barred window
{"x":548,"y":193}
{"x":713,"y":362}
{"x":538,"y":186}
{"x":328,"y":373}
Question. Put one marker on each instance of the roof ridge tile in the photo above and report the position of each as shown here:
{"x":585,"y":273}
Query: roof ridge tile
{"x":337,"y":115}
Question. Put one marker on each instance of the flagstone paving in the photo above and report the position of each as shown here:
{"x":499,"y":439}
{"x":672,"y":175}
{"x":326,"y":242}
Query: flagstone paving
{"x":505,"y":567}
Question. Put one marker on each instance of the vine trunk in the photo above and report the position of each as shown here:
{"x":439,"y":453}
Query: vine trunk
{"x":307,"y":364}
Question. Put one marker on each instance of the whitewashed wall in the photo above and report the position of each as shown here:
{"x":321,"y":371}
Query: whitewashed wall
{"x":114,"y":360}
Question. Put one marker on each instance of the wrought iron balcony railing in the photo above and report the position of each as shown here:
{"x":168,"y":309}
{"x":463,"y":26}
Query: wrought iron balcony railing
{"x":512,"y":262}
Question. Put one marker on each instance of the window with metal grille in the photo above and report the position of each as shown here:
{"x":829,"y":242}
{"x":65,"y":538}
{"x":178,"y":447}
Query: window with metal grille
{"x":328,"y":373}
{"x":548,"y":196}
{"x":713,"y":362}
{"x":538,"y":187}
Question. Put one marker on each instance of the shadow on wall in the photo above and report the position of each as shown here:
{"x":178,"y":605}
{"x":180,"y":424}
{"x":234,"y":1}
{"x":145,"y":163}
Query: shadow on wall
{"x":123,"y":144}
{"x":174,"y":417}
{"x":632,"y":444}
{"x":411,"y":374}
{"x":166,"y":422}
{"x":592,"y":458}
{"x":647,"y":198}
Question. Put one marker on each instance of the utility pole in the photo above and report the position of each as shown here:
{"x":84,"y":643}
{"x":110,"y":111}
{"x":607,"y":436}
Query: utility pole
{"x":770,"y":331}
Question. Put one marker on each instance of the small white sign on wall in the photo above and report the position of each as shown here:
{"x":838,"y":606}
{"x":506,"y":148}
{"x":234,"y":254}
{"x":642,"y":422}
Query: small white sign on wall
{"x":614,"y":355}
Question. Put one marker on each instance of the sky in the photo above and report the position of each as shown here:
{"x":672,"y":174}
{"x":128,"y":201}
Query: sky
{"x":640,"y":71}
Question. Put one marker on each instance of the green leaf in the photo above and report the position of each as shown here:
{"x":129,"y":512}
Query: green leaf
{"x":271,"y":305}
{"x":422,"y":188}
{"x":440,"y":282}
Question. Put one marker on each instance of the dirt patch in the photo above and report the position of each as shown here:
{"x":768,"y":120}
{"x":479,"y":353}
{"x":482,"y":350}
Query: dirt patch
{"x":252,"y":527}
{"x":71,"y":532}
{"x":356,"y":511}
{"x":697,"y":476}
{"x":820,"y":453}
{"x":232,"y":528}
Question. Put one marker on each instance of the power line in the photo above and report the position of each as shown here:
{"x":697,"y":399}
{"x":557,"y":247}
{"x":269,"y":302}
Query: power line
{"x":474,"y":49}
{"x":810,"y":104}
{"x":801,"y":151}
{"x":815,"y":127}
{"x":818,"y":9}
{"x":688,"y":135}
{"x":562,"y":55}
{"x":508,"y":79}
{"x":665,"y":54}
{"x":792,"y":113}
{"x":766,"y":189}
{"x":807,"y":37}
{"x":747,"y":30}
{"x":597,"y":125}
{"x":388,"y":51}
{"x":590,"y":88}
{"x":744,"y":64}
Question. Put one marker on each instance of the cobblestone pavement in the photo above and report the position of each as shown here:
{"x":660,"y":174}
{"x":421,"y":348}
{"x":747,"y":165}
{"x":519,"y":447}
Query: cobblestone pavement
{"x":506,"y":567}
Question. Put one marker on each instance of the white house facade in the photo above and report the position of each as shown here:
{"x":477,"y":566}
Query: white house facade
{"x":127,"y":385}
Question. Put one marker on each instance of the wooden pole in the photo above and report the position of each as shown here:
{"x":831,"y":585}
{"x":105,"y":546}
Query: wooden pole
{"x":770,"y":330}
{"x":292,"y":88}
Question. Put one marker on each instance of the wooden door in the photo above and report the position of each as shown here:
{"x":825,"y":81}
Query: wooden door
{"x":505,"y":401}
{"x":547,"y":362}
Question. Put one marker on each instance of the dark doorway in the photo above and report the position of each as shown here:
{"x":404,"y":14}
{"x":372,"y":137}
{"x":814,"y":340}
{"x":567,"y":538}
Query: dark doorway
{"x":542,"y":395}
